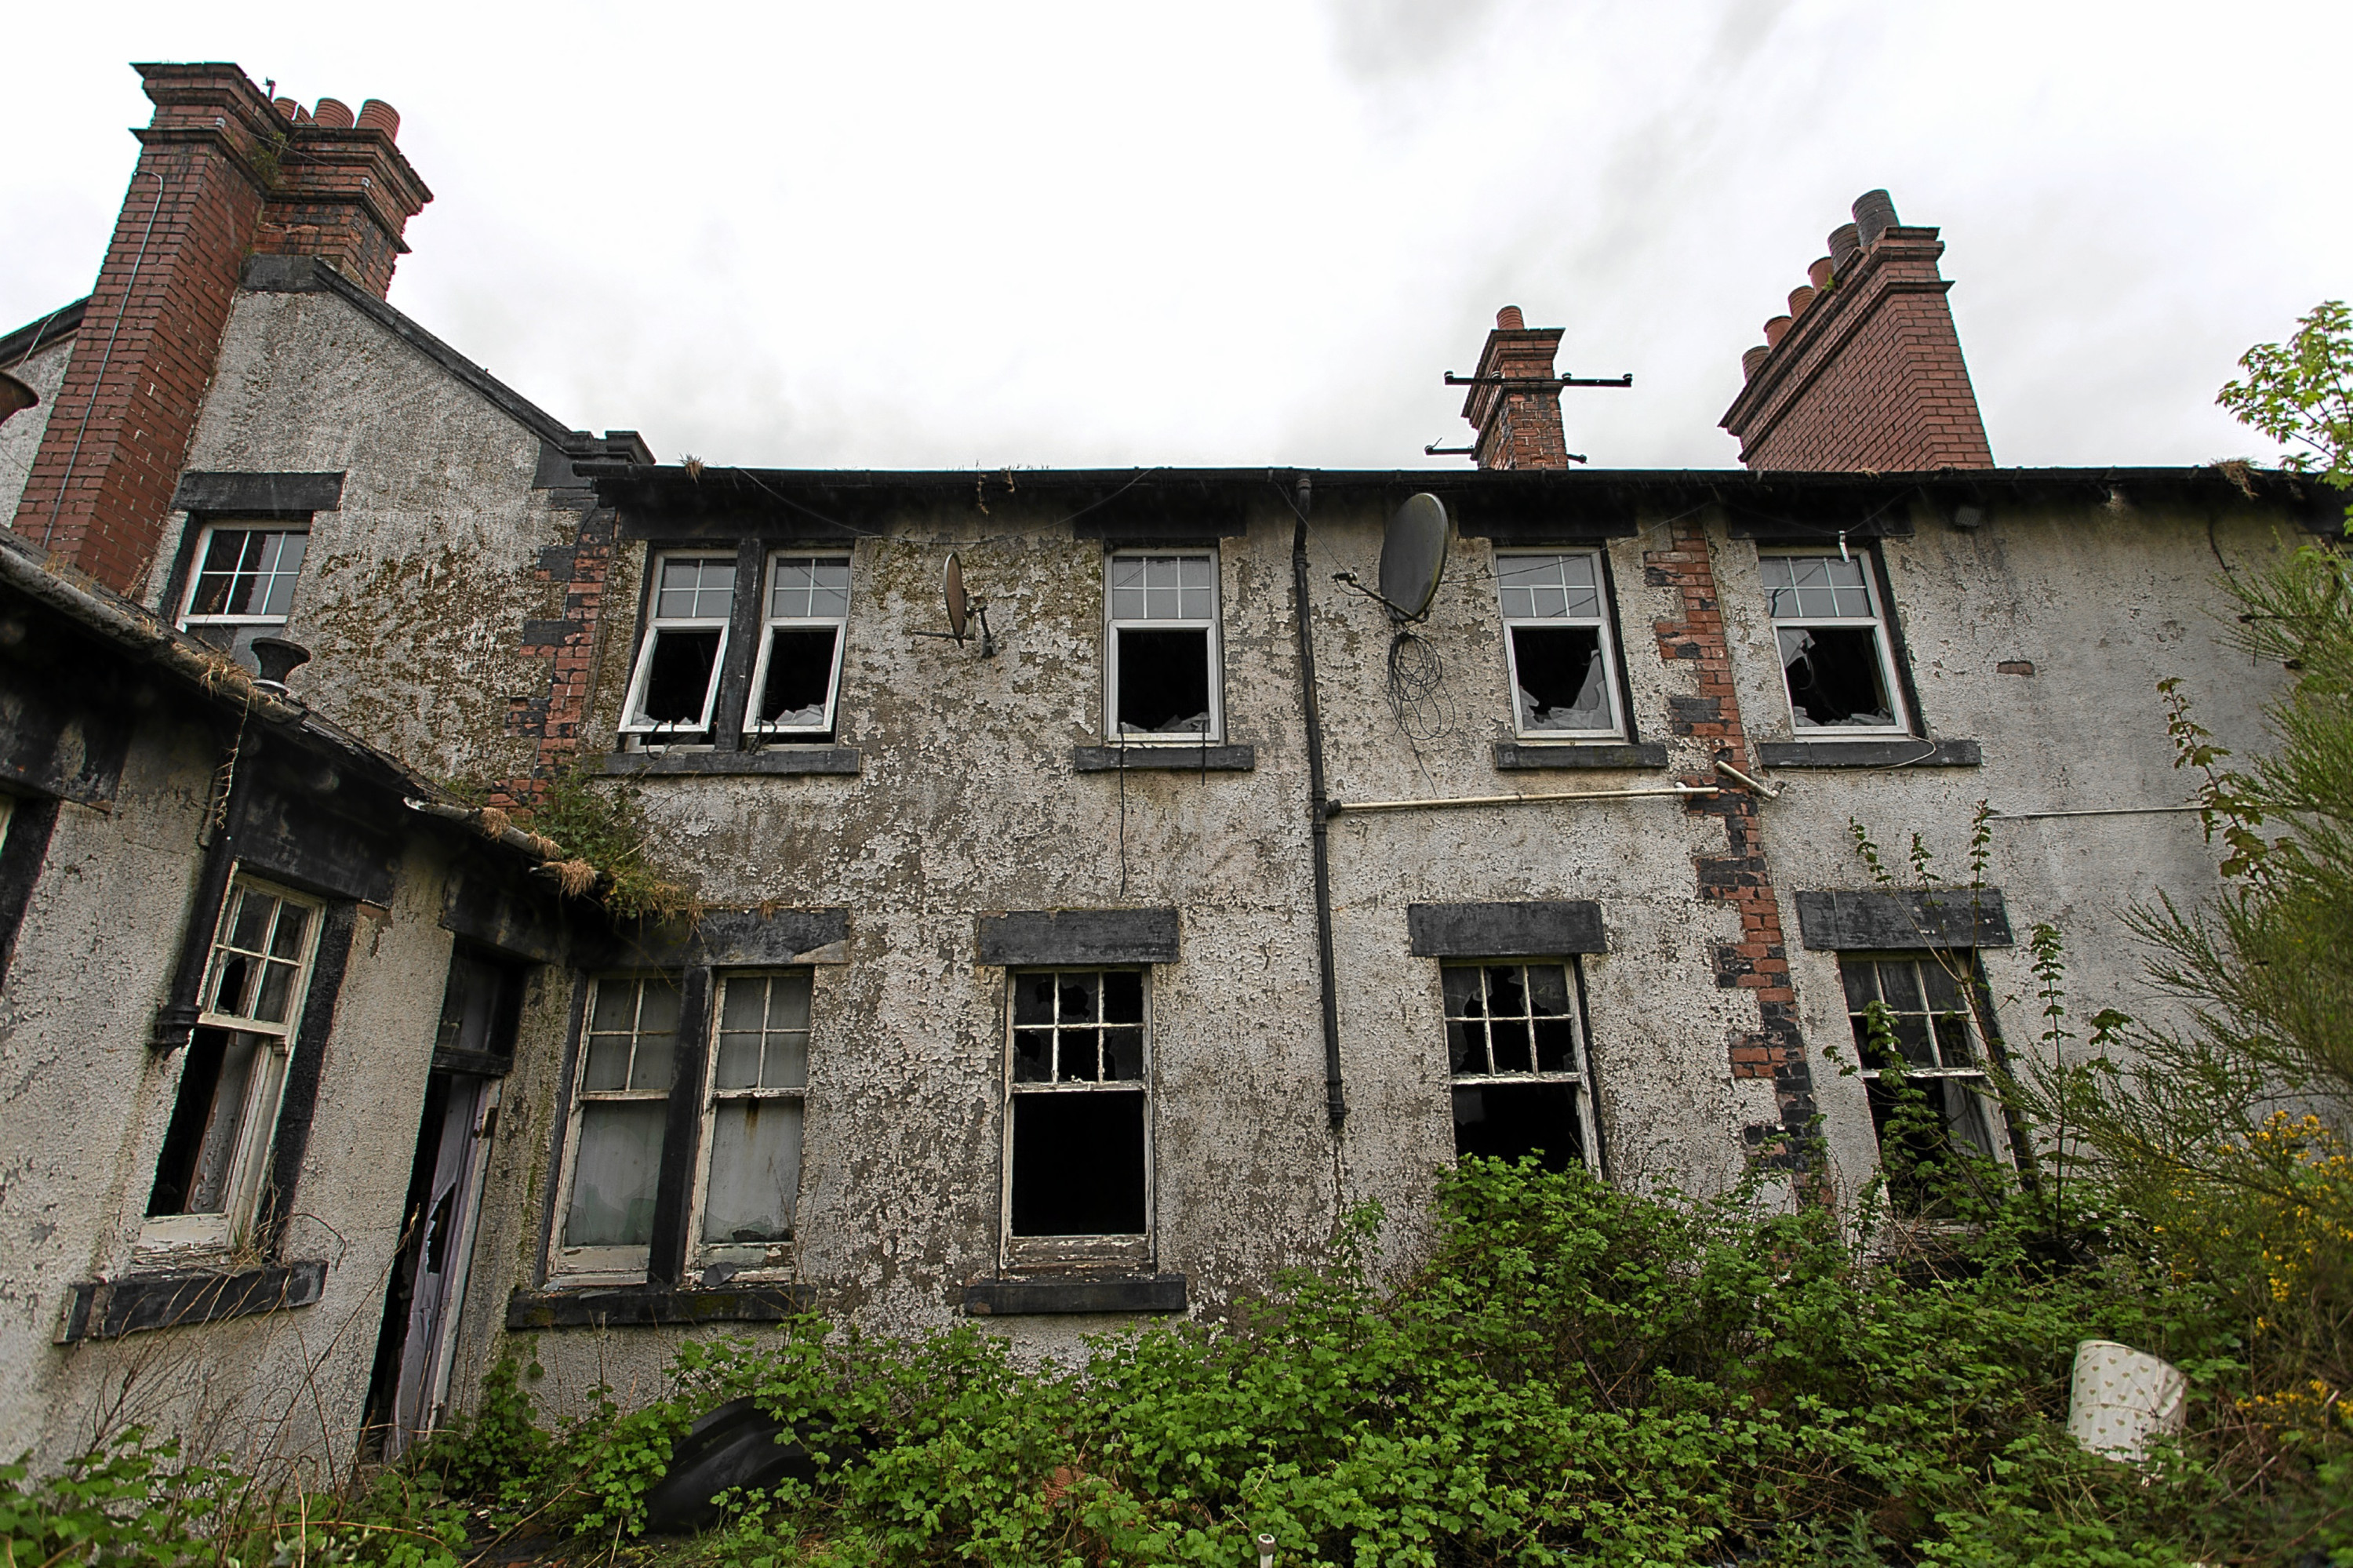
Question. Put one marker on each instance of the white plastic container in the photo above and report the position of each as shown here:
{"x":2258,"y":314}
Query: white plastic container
{"x":2122,"y":1398}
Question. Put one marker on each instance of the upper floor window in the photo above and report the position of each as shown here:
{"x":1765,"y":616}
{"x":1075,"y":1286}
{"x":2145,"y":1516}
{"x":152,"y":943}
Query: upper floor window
{"x":243,"y":584}
{"x":215,"y":1150}
{"x":1923,"y":1069}
{"x":1557,"y":637}
{"x":799,"y":676}
{"x":1516,"y":1060}
{"x":675,"y":686}
{"x":1835,"y":658}
{"x":1162,"y":656}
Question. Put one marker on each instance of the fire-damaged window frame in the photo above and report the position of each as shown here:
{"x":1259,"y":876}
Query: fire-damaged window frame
{"x":1865,"y":561}
{"x":1602,"y":621}
{"x":1463,"y":1078}
{"x":771,"y":1257}
{"x":179,"y":1232}
{"x":1118,"y":628}
{"x":654,"y":625}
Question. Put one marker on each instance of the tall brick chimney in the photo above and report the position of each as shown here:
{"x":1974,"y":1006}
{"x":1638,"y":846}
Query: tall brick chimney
{"x":1865,"y":371}
{"x":1518,"y":427}
{"x":222,"y":172}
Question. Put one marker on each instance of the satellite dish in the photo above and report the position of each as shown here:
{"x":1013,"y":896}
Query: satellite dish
{"x":15,"y":396}
{"x":1413,"y":556}
{"x":952,"y":590}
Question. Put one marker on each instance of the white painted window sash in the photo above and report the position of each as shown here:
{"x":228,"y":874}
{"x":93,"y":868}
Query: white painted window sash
{"x":1599,"y":621}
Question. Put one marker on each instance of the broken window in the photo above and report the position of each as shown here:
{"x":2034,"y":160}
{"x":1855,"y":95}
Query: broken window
{"x":216,"y":1151}
{"x":1833,"y":643}
{"x":1925,"y":1074}
{"x":1516,"y":1061}
{"x":1077,"y":1143}
{"x":620,"y":1106}
{"x":1557,"y":641}
{"x":677,"y":678}
{"x":751,"y":1163}
{"x":243,"y":584}
{"x":798,"y":674}
{"x":1162,"y":639}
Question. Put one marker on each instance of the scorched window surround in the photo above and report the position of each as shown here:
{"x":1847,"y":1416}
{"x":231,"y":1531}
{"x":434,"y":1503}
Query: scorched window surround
{"x":1515,"y":1062}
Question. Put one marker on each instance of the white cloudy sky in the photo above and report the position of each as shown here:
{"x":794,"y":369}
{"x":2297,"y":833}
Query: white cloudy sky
{"x":944,"y":233}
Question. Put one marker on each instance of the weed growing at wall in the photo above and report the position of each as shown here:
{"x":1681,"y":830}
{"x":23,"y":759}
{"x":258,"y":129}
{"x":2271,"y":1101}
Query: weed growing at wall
{"x":602,"y":828}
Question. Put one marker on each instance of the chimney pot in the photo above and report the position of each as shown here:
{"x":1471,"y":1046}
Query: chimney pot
{"x":1875,"y":215}
{"x":333,"y":114}
{"x":1509,"y":319}
{"x":1775,"y":330}
{"x":375,"y":114}
{"x":287,"y":107}
{"x":1846,"y":244}
{"x":1799,"y":298}
{"x":278,"y":659}
{"x":1752,"y":359}
{"x":1820,"y":274}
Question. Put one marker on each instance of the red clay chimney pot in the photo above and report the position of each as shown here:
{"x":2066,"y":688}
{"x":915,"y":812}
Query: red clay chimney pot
{"x":333,"y":114}
{"x":287,"y":107}
{"x":1509,"y":319}
{"x":375,"y":114}
{"x":1775,"y":330}
{"x":1799,"y":298}
{"x":1752,"y":359}
{"x":1818,"y":275}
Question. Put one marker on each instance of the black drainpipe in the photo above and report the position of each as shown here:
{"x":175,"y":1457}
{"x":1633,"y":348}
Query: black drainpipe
{"x":1335,"y":1099}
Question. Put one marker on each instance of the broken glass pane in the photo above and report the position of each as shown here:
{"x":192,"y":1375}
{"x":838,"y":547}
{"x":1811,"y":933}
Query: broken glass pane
{"x":1556,"y":1045}
{"x":1033,"y":1055}
{"x":755,"y":1172}
{"x":1912,"y":1038}
{"x":1163,"y":682}
{"x":1075,"y":997}
{"x":1081,"y":1057}
{"x":1078,"y":1164}
{"x":1506,"y":997}
{"x":1122,"y":1054}
{"x":1562,"y":679}
{"x":1033,"y":999}
{"x":677,"y":675}
{"x":1834,"y":677}
{"x":1462,"y":991}
{"x":1507,"y":1121}
{"x":1508,"y":1038}
{"x":799,"y":676}
{"x":1466,"y":1045}
{"x":1123,"y":996}
{"x":618,"y":1163}
{"x":1952,"y":1042}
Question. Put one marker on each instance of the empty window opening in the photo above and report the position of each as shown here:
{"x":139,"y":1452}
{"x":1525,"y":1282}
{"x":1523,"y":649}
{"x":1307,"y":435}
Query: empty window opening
{"x":800,"y":672}
{"x":1833,"y":644}
{"x":216,"y":1145}
{"x":677,"y":678}
{"x":1557,"y":639}
{"x":1164,"y":647}
{"x":243,"y":586}
{"x":619,"y":1109}
{"x":751,"y":1167}
{"x":1925,"y":1074}
{"x":1514,"y":1054}
{"x":1077,"y":1103}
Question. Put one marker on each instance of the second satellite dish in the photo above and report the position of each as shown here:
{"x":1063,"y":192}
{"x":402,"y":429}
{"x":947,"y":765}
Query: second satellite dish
{"x":1413,"y":556}
{"x":952,"y":590}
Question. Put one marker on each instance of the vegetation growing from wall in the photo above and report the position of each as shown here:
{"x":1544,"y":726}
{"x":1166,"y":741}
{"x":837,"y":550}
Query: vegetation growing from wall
{"x":601,"y":827}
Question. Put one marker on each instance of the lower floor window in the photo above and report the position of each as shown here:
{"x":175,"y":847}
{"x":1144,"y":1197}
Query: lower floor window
{"x":1516,"y":1061}
{"x":1079,"y":1151}
{"x":621,"y":1109}
{"x":750,"y":1165}
{"x":1923,"y":1069}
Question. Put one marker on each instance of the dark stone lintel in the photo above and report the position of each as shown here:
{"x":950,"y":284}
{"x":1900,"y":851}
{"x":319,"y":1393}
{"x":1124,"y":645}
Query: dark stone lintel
{"x":1547,"y":928}
{"x":110,"y":1309}
{"x":1869,"y":922}
{"x":1079,"y":936}
{"x":1159,"y":1293}
{"x":772,"y":759}
{"x":1906,"y":753}
{"x":652,"y":1306}
{"x":1514,"y":755}
{"x":1164,"y":759}
{"x":273,"y":493}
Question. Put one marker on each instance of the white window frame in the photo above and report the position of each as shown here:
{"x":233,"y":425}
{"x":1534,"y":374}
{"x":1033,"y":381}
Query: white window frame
{"x":634,"y":721}
{"x":1046,"y":1252}
{"x":265,"y":1083}
{"x":213,"y":529}
{"x":1876,"y":621}
{"x":749,"y":1260}
{"x":770,"y":623}
{"x":1214,"y":650}
{"x":607,"y":1265}
{"x":1960,"y":965}
{"x":1600,"y":620}
{"x":1577,"y":1076}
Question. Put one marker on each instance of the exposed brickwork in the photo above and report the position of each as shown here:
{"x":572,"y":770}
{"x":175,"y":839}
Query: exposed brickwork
{"x":221,"y":173}
{"x":1741,"y":878}
{"x":1868,"y":372}
{"x":555,"y":719}
{"x":1517,"y":429}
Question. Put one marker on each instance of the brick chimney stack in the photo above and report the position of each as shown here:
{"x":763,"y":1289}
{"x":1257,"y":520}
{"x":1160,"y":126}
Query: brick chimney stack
{"x":1865,"y":372}
{"x":222,"y":172}
{"x":1518,"y":427}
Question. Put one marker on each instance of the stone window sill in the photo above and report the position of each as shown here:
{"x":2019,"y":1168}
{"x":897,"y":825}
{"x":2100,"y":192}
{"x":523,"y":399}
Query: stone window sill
{"x":1514,"y":755}
{"x":1168,"y":758}
{"x":774,"y":760}
{"x":1870,"y":754}
{"x":1155,"y":1293}
{"x":643,"y":1305}
{"x":110,"y":1309}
